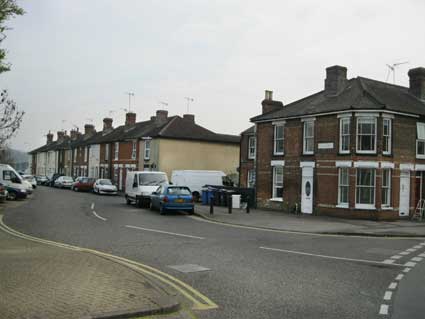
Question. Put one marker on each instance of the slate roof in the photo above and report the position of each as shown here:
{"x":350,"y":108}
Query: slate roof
{"x":174,"y":127}
{"x":249,"y":131}
{"x":359,"y":94}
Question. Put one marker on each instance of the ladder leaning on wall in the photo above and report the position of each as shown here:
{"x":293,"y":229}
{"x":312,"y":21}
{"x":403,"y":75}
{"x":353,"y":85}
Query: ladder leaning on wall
{"x":419,"y":211}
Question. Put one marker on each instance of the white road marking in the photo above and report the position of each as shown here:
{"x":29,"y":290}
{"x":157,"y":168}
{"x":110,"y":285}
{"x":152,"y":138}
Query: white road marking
{"x":422,"y":244}
{"x":396,"y":257}
{"x":422,"y":255}
{"x":418,"y":259}
{"x":92,"y":206}
{"x":411,"y":250}
{"x":399,"y":277}
{"x":392,"y":286}
{"x":417,"y":246}
{"x":406,"y":269}
{"x":383,"y":310}
{"x":100,"y":217}
{"x":404,"y":253}
{"x":164,"y":232}
{"x":410,"y":264}
{"x":328,"y":257}
{"x":388,"y":261}
{"x":388,"y":295}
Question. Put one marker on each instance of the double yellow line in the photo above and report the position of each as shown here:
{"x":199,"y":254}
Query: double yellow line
{"x":199,"y":301}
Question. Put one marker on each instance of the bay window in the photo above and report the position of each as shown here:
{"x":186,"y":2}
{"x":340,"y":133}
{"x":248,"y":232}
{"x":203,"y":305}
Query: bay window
{"x":116,"y":150}
{"x":366,"y":135}
{"x":308,"y":141}
{"x":278,"y":139}
{"x":386,"y":136}
{"x":365,"y":188}
{"x":386,"y":188}
{"x":343,"y":186}
{"x":420,"y":141}
{"x":277,"y":182}
{"x":344,"y":135}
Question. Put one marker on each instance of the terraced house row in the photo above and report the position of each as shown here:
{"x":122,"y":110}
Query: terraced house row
{"x":355,"y":149}
{"x":162,"y":143}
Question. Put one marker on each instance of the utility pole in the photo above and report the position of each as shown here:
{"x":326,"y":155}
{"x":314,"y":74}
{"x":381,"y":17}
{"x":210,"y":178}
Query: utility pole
{"x":188,"y":99}
{"x":130,"y":94}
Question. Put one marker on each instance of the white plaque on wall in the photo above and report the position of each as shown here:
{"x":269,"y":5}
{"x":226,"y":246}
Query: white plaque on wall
{"x":325,"y":146}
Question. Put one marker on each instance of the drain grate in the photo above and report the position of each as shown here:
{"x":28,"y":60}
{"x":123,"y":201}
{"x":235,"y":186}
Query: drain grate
{"x":186,"y":268}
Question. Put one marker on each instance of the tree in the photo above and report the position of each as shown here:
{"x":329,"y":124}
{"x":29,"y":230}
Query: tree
{"x":10,"y":118}
{"x":8,"y":9}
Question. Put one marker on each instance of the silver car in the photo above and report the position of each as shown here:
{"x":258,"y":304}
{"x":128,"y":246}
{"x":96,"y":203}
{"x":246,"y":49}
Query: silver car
{"x":64,"y":182}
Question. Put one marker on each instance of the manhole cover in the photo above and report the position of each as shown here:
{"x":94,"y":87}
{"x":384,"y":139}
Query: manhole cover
{"x":189,"y":268}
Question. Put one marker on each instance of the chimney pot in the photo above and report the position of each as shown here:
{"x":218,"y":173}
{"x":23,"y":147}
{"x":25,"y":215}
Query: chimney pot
{"x":61,"y":135}
{"x":74,"y":134}
{"x":268,"y":95}
{"x":130,"y":118}
{"x":49,"y":138}
{"x":107,"y":123}
{"x":269,"y":105}
{"x":417,"y":82}
{"x":336,"y":80}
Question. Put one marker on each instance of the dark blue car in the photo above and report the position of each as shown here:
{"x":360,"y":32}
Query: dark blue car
{"x":169,"y":197}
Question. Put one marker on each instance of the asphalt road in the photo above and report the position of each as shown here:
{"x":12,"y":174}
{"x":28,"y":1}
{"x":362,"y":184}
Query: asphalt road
{"x":252,"y":273}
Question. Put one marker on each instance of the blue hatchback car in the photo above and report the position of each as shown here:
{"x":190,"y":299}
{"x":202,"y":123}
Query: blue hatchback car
{"x":169,"y":197}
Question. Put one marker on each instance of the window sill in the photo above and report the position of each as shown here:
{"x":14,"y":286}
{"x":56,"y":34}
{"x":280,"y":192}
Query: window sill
{"x":277,"y":154}
{"x":365,"y":206}
{"x":342,"y":206}
{"x":366,"y":152}
{"x":344,"y":153}
{"x":308,"y":153}
{"x":420,"y":156}
{"x":387,"y":208}
{"x":276,"y":199}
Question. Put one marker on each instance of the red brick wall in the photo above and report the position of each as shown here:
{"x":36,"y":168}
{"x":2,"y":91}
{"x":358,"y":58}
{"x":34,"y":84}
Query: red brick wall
{"x":245,"y":163}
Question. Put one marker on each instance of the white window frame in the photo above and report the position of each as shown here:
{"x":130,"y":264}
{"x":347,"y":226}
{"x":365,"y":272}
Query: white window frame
{"x":368,"y":118}
{"x":116,"y":150}
{"x":134,"y":150}
{"x":420,"y":138}
{"x":250,"y":176}
{"x":75,"y":152}
{"x":275,"y":185}
{"x":252,"y":148}
{"x":147,"y":152}
{"x":361,"y":205}
{"x":305,"y":137}
{"x":106,"y":152}
{"x":386,"y":138}
{"x":341,"y":134}
{"x":275,"y":138}
{"x":386,"y":188}
{"x":87,"y":153}
{"x":340,"y":186}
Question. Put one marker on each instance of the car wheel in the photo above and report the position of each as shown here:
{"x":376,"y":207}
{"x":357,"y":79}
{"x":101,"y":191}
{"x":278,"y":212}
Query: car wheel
{"x":127,"y":200}
{"x":161,"y":210}
{"x":76,"y":189}
{"x":151,"y":207}
{"x":192,"y":211}
{"x":12,"y":196}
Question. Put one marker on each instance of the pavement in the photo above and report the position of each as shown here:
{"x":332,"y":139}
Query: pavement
{"x":312,"y":224}
{"x":41,"y":281}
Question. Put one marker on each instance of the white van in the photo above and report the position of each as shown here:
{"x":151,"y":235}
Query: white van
{"x":195,"y":180}
{"x":11,"y":179}
{"x":139,"y":186}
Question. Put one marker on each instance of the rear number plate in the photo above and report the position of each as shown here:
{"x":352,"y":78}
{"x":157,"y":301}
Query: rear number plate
{"x":179,"y":200}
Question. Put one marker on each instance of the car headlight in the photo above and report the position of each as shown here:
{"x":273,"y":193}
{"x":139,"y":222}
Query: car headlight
{"x":23,"y":190}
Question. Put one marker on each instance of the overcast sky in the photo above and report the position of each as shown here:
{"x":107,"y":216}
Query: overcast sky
{"x":74,"y":60}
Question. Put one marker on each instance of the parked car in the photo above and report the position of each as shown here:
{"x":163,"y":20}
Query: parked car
{"x":12,"y":181}
{"x":104,"y":186}
{"x":14,"y":193}
{"x":31,"y":179}
{"x":53,"y":179}
{"x":196,"y":180}
{"x":139,"y":186}
{"x":3,"y":193}
{"x":83,"y":184}
{"x":64,"y":182}
{"x":170,"y":197}
{"x":42,"y":179}
{"x":28,"y":186}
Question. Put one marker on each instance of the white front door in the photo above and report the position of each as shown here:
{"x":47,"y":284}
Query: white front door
{"x":307,"y":190}
{"x":404,"y":193}
{"x":120,"y":178}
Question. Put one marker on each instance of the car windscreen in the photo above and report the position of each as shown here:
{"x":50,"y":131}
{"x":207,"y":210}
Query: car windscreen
{"x":67,"y":179}
{"x":152,"y":179}
{"x":104,"y":182}
{"x":178,"y":191}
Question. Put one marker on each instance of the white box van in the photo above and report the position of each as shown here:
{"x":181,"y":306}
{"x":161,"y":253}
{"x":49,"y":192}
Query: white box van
{"x":11,"y":179}
{"x":195,"y":180}
{"x":139,"y":186}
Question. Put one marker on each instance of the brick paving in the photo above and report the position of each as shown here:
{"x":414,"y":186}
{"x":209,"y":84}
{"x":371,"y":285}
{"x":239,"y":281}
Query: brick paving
{"x":39,"y":281}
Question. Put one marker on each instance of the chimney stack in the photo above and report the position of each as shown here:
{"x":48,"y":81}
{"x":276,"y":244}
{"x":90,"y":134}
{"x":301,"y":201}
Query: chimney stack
{"x":89,"y":129}
{"x":269,"y":105}
{"x":161,"y":116}
{"x":49,"y":137}
{"x":130,"y":118}
{"x":61,"y":135}
{"x":417,"y":83}
{"x":74,"y":134}
{"x":189,"y":117}
{"x":107,"y":124}
{"x":336,"y":80}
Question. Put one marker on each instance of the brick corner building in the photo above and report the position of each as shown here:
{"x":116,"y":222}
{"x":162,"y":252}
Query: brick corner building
{"x":355,"y":149}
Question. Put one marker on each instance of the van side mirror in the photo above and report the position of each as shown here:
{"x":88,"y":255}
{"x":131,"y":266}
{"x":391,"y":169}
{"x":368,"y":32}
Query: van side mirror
{"x":134,"y":185}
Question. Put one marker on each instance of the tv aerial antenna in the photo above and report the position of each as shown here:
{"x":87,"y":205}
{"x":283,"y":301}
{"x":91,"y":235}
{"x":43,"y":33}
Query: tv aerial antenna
{"x":392,"y":68}
{"x":189,"y":100}
{"x":163,"y":103}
